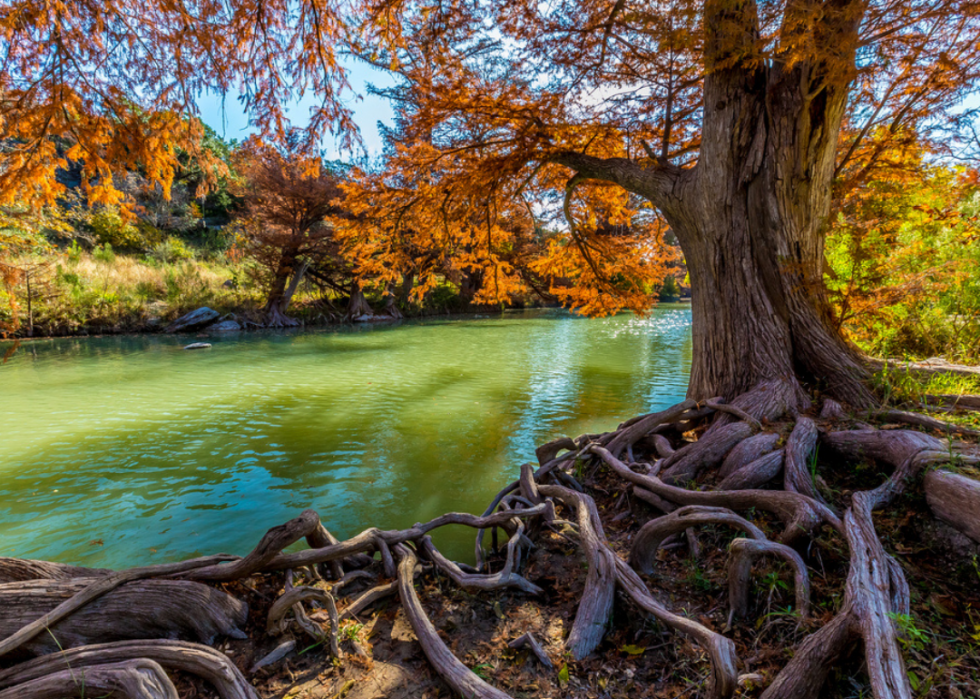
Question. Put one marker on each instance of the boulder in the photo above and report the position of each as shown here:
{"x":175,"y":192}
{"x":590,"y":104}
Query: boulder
{"x":198,"y":345}
{"x":225,"y":326}
{"x":195,"y":320}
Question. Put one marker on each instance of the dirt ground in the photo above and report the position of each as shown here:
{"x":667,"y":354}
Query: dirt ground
{"x":639,"y":658}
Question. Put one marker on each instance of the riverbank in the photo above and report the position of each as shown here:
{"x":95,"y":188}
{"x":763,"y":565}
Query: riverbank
{"x":78,"y":293}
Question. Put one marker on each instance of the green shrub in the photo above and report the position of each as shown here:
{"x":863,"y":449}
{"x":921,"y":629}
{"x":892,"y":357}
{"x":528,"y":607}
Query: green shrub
{"x":109,"y":228}
{"x":170,"y":251}
{"x":74,"y":252}
{"x":104,"y":254}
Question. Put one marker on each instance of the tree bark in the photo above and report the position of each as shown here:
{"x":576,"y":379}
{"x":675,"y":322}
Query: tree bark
{"x":750,"y":216}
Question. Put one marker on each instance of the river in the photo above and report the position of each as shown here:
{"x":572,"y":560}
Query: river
{"x":122,"y":451}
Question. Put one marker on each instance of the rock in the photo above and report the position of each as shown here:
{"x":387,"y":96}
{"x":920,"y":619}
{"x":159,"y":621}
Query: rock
{"x":373,"y":318}
{"x":195,"y":320}
{"x":225,"y":326}
{"x":198,"y":345}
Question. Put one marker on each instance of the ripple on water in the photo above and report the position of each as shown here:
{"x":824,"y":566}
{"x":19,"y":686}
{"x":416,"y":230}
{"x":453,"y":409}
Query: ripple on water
{"x":127,"y":450}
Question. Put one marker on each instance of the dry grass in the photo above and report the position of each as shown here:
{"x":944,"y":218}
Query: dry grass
{"x":85,"y":293}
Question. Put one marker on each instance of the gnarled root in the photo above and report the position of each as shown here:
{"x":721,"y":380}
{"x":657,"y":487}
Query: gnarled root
{"x":724,"y":678}
{"x":755,"y":474}
{"x":79,"y":605}
{"x":955,"y":499}
{"x":743,"y":552}
{"x":652,"y":534}
{"x":747,"y":451}
{"x":132,"y":679}
{"x":800,"y":514}
{"x":708,"y":452}
{"x":463,"y":680}
{"x":192,"y":658}
{"x":595,"y":607}
{"x":136,"y":610}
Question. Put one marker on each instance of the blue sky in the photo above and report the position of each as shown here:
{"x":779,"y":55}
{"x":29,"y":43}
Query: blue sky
{"x":228,"y":118}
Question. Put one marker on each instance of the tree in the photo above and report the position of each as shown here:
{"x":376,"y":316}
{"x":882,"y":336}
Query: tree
{"x":286,"y":200}
{"x":745,"y":105}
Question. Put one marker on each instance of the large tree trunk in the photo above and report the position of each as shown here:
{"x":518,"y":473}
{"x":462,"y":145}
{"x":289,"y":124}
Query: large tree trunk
{"x":753,"y":223}
{"x":750,"y":216}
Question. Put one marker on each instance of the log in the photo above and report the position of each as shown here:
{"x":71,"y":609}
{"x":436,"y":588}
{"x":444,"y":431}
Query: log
{"x":19,"y":569}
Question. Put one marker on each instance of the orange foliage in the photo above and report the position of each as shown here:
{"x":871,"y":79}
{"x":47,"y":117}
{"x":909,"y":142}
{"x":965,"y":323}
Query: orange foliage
{"x":509,"y":110}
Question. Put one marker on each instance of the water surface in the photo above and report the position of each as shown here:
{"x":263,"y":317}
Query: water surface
{"x":123,"y":451}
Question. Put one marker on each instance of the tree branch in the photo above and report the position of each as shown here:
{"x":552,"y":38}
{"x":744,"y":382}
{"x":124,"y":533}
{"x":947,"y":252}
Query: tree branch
{"x":654,"y":183}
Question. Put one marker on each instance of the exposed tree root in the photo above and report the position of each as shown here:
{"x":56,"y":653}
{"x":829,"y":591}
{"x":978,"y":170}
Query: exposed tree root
{"x":743,"y":553}
{"x":653,"y":533}
{"x":955,"y":499}
{"x":193,"y":658}
{"x":755,"y":474}
{"x":132,"y":679}
{"x":463,"y":680}
{"x":529,"y":641}
{"x":747,"y":451}
{"x":715,"y":480}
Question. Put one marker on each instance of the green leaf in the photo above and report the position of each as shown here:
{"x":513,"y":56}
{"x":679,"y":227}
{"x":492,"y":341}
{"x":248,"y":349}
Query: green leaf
{"x":563,"y":675}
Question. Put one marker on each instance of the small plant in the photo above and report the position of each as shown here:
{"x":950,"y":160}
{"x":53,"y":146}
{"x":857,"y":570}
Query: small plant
{"x":74,"y":253}
{"x":104,"y":254}
{"x":911,"y":636}
{"x":697,"y":578}
{"x":109,"y":228}
{"x":480,"y":670}
{"x":349,"y":630}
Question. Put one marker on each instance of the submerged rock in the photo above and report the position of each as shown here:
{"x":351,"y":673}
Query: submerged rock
{"x":194,"y":320}
{"x":198,"y":345}
{"x":225,"y":326}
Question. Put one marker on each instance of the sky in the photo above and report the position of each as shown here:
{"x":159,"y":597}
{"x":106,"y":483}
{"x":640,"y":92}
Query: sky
{"x":227,"y":116}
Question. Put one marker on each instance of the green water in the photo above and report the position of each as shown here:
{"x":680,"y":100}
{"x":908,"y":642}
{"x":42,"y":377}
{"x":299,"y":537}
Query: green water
{"x":163,"y":454}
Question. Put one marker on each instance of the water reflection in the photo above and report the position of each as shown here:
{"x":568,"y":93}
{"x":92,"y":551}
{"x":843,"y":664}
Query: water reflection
{"x":163,"y":454}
